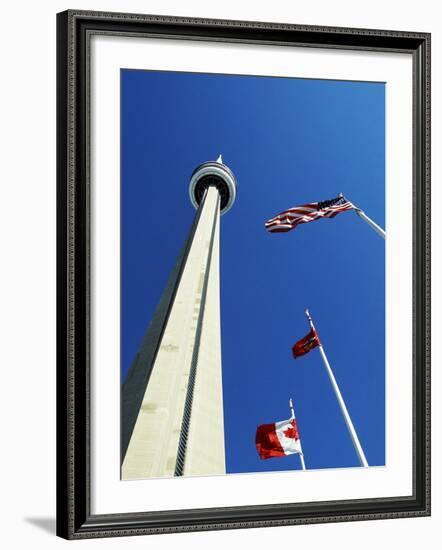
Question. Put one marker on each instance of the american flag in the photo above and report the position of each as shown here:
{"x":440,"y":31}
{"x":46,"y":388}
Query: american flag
{"x":289,"y":219}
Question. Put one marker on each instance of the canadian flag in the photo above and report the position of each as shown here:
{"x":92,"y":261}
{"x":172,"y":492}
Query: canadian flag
{"x":278,"y":439}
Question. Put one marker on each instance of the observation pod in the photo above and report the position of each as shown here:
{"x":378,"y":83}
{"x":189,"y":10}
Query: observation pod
{"x":220,"y":176}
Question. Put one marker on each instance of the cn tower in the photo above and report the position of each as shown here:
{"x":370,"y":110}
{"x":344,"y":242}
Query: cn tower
{"x":172,"y":402}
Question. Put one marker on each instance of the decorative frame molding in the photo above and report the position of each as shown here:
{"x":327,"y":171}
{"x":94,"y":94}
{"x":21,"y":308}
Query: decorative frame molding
{"x":74,"y":29}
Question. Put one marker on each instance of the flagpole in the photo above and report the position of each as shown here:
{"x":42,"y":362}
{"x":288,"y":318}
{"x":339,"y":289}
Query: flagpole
{"x":301,"y":454}
{"x":349,"y":423}
{"x":370,"y":222}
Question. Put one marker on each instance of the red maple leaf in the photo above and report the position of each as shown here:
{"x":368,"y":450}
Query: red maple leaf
{"x":292,"y":432}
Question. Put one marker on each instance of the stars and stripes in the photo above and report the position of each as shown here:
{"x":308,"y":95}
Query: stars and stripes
{"x":289,"y":219}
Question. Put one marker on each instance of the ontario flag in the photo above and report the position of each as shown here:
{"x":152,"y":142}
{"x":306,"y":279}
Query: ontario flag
{"x":278,"y":439}
{"x":291,"y":218}
{"x":306,"y":344}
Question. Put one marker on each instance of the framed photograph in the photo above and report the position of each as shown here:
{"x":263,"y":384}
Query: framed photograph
{"x":243,"y":274}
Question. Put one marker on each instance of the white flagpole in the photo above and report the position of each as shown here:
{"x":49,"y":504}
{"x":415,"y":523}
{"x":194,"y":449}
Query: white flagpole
{"x":366,"y":219}
{"x":370,"y":222}
{"x":301,"y":454}
{"x":349,"y":423}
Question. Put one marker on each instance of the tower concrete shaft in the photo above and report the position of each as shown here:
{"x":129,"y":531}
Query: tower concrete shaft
{"x":172,"y":421}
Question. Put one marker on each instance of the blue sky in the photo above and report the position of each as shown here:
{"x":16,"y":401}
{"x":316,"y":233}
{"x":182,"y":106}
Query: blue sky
{"x":289,"y":142}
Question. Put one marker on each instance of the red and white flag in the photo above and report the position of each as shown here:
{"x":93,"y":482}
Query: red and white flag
{"x":291,"y":218}
{"x":278,"y":439}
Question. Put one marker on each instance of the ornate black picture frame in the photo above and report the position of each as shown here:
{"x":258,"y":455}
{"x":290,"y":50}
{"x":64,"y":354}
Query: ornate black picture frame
{"x":74,"y":518}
